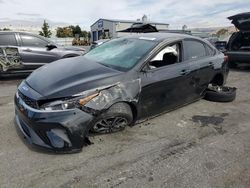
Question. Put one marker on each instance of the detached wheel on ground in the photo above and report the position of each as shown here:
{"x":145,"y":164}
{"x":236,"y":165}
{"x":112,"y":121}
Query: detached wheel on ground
{"x":115,"y":119}
{"x":220,"y":93}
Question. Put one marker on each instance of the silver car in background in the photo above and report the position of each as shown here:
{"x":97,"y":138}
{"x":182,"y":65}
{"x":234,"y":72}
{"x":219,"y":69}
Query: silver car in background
{"x":34,"y":51}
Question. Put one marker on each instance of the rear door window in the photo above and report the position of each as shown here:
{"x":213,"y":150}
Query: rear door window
{"x":8,"y":39}
{"x":194,"y":50}
{"x":28,"y":40}
{"x":210,"y":51}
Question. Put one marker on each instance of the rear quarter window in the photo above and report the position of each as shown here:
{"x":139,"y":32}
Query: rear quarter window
{"x":194,"y":50}
{"x":8,"y":40}
{"x":33,"y":41}
{"x":210,"y":51}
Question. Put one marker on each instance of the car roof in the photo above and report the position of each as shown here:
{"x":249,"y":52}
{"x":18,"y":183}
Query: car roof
{"x":158,"y":36}
{"x":22,"y":32}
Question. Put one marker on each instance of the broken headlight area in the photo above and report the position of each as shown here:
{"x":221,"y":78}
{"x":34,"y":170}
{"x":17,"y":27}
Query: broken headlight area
{"x":58,"y":138}
{"x":65,"y":104}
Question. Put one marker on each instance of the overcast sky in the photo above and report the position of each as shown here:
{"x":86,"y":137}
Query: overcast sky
{"x":193,"y":13}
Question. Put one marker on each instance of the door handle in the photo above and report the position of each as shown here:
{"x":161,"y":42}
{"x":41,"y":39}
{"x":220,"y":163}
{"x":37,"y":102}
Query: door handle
{"x":185,"y":72}
{"x":27,"y":50}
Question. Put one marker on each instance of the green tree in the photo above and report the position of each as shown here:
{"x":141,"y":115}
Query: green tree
{"x":89,"y":35}
{"x":59,"y":32}
{"x":84,"y":34}
{"x":77,"y":31}
{"x":5,"y":29}
{"x":104,"y":35}
{"x":45,"y":30}
{"x":72,"y":31}
{"x":63,"y":32}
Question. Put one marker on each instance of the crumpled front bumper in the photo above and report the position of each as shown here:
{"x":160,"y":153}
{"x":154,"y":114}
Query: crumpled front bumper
{"x":59,"y":131}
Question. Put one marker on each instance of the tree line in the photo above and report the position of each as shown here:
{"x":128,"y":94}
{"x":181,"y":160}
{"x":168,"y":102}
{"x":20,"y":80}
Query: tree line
{"x":72,"y":31}
{"x":63,"y":32}
{"x":5,"y":29}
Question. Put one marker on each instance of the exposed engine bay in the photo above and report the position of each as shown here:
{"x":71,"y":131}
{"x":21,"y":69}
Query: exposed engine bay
{"x":9,"y":58}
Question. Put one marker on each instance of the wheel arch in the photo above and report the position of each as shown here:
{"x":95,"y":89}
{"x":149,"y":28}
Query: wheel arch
{"x":121,"y":92}
{"x":218,"y":79}
{"x":133,"y":109}
{"x":132,"y":106}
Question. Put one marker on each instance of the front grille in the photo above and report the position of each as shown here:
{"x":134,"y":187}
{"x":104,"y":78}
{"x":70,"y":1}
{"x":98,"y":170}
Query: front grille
{"x":30,"y":102}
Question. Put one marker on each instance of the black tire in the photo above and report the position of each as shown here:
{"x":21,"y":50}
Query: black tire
{"x":117,"y":111}
{"x":220,"y":94}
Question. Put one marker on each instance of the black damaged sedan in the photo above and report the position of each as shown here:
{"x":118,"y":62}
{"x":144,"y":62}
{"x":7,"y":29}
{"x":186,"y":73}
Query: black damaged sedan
{"x":114,"y":85}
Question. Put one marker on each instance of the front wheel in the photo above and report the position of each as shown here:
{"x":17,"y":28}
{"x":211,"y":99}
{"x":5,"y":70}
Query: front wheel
{"x":115,"y":119}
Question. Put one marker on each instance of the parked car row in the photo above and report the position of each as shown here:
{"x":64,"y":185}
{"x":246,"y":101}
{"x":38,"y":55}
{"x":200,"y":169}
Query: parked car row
{"x":36,"y":50}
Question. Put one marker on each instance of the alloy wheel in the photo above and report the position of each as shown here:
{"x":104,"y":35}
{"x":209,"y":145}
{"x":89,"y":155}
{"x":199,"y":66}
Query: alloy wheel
{"x":109,"y":125}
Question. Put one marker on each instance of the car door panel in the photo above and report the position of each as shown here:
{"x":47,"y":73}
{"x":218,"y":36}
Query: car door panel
{"x":164,"y":89}
{"x":202,"y":66}
{"x":35,"y":56}
{"x":205,"y":73}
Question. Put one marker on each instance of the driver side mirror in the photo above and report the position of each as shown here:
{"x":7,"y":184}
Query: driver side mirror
{"x":50,"y":46}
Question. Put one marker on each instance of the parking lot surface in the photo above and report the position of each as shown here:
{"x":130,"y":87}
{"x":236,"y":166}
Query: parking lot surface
{"x":204,"y":144}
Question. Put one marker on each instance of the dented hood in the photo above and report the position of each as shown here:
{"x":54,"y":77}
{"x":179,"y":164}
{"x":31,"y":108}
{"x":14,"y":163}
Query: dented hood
{"x":70,"y":76}
{"x":241,"y":21}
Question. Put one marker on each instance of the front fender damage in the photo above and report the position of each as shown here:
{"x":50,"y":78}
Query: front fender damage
{"x":108,"y":95}
{"x":127,"y":91}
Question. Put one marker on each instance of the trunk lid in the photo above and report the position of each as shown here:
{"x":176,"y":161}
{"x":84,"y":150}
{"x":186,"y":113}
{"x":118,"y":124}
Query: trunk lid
{"x":241,"y":21}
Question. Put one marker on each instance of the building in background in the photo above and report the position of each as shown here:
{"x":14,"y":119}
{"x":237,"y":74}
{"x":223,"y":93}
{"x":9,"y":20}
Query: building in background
{"x":109,"y":28}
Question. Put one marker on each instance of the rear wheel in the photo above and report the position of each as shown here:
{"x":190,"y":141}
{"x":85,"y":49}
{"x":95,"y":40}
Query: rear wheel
{"x":115,"y":119}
